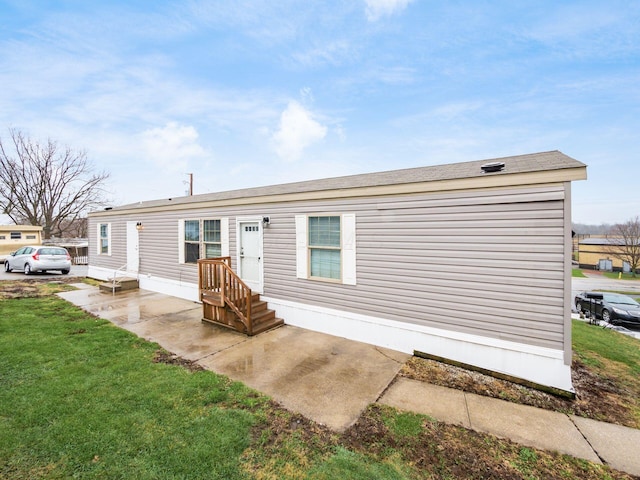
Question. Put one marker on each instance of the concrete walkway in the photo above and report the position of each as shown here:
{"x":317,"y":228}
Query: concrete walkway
{"x":331,"y":380}
{"x":579,"y":437}
{"x":328,"y":379}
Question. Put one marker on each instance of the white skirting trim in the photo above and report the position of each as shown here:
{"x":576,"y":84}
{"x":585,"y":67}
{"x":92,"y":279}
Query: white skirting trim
{"x":544,"y":366}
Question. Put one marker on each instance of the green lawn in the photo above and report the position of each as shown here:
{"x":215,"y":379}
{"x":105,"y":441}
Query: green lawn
{"x":599,"y":347}
{"x":620,"y":275}
{"x":576,"y":272}
{"x":81,"y":398}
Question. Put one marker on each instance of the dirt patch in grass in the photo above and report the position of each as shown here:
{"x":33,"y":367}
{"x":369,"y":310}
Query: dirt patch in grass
{"x":597,"y":396}
{"x":446,"y":451}
{"x":285,"y":444}
{"x":162,"y":356}
{"x":35,"y":287}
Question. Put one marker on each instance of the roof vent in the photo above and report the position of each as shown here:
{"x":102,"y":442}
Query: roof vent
{"x":492,"y":167}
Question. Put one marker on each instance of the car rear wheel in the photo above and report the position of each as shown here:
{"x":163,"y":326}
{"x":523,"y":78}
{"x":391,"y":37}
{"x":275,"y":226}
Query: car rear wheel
{"x":606,"y":316}
{"x":578,"y":307}
{"x":7,"y":268}
{"x":65,"y":272}
{"x":27,"y":269}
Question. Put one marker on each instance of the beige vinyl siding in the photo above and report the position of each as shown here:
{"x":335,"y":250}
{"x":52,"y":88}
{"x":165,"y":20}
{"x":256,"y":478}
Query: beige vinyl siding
{"x":488,"y":262}
{"x":117,"y":256}
{"x":484,"y":262}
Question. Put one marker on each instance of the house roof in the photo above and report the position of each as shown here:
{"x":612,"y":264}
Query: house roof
{"x":552,"y":161}
{"x":602,"y":241}
{"x":20,"y":228}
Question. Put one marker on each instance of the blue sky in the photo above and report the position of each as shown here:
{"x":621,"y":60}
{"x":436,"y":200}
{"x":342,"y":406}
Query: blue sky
{"x":249,"y":93}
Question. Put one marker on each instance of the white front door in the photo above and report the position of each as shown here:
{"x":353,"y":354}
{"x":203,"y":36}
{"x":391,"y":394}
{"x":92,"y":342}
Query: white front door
{"x":250,"y":254}
{"x":133,"y":248}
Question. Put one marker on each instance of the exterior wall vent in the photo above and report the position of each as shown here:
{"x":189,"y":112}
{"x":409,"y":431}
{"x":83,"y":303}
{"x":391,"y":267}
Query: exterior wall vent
{"x":492,"y":167}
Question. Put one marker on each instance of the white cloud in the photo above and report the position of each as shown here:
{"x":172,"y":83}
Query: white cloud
{"x":380,"y":8}
{"x":172,"y":147}
{"x":325,"y":52}
{"x":297,"y":131}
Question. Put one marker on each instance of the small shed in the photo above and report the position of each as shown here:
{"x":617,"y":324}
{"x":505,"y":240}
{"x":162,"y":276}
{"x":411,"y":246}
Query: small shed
{"x":468,"y":262}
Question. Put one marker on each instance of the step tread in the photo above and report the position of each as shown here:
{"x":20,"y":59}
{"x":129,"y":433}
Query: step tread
{"x":263,"y":316}
{"x":263,"y":327}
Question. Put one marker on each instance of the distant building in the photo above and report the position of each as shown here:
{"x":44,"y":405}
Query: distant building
{"x":595,"y":253}
{"x":13,"y":237}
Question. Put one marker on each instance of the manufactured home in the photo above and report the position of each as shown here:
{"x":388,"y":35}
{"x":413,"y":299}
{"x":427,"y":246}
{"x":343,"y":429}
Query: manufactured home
{"x":468,"y":262}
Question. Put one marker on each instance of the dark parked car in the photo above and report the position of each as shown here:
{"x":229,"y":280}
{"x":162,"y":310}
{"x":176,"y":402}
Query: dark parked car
{"x":611,"y":307}
{"x":38,"y":258}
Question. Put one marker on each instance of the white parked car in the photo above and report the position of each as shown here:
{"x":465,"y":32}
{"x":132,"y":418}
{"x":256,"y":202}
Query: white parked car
{"x":40,"y":258}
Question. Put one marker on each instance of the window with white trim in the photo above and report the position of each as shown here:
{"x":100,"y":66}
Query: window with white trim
{"x":325,"y":247}
{"x":16,"y":235}
{"x":104,"y":239}
{"x":203,"y":238}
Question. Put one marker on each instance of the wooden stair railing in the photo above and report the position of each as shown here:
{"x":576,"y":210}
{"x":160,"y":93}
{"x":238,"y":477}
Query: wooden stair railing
{"x":220,"y":288}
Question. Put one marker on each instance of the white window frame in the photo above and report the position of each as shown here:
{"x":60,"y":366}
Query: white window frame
{"x":100,"y":238}
{"x":347,"y":248}
{"x":224,"y":238}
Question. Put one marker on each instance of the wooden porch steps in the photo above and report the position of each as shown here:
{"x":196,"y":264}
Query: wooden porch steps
{"x":119,"y":284}
{"x":262,"y":317}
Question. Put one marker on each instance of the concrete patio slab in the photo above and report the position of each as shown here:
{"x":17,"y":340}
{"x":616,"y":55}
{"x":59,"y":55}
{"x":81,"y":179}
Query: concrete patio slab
{"x":529,"y":426}
{"x":128,"y":307}
{"x":441,"y":403}
{"x":134,"y":310}
{"x":328,"y":379}
{"x":615,"y":444}
{"x":93,"y":297}
{"x":184,"y":334}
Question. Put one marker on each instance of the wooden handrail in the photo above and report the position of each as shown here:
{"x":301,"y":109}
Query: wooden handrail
{"x":216,"y":276}
{"x":208,"y":278}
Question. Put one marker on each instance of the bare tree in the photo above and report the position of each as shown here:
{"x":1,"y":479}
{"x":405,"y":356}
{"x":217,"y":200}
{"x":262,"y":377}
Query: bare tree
{"x":624,"y":242}
{"x":46,"y":185}
{"x":73,"y":229}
